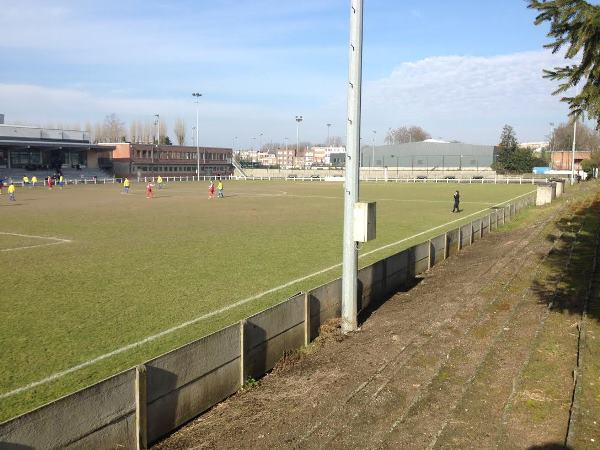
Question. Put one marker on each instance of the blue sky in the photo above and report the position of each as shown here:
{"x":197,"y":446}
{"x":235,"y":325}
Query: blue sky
{"x":461,"y":69}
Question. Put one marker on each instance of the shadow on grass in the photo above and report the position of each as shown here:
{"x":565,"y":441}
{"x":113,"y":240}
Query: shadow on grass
{"x":565,"y":288}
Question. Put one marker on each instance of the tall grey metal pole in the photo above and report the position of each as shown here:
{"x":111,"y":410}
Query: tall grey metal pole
{"x":157,"y":129}
{"x":373,"y":147}
{"x":298,"y":120}
{"x":197,"y":96}
{"x":197,"y":143}
{"x":351,"y":184}
{"x":157,"y":134}
{"x":573,"y":152}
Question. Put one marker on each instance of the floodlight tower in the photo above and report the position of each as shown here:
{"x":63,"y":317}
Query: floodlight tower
{"x":373,"y":148}
{"x":351,"y":184}
{"x":298,"y":120}
{"x":197,"y":96}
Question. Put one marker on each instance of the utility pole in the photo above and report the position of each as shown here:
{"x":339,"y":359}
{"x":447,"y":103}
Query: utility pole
{"x":328,"y":141}
{"x":157,"y":123}
{"x":351,"y":184}
{"x":197,"y":96}
{"x":573,"y":152}
{"x":373,"y":147}
{"x":298,"y":120}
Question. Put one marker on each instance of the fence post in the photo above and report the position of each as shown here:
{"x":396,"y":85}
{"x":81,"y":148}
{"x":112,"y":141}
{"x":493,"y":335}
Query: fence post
{"x":459,"y":238}
{"x":141,"y":417}
{"x":446,"y":250}
{"x":472,"y":234}
{"x":306,"y":319}
{"x":429,"y":256}
{"x":481,"y":227}
{"x":242,"y":326}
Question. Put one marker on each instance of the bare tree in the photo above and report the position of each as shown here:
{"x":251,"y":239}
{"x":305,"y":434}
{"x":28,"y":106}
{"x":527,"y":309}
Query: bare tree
{"x":179,"y":130}
{"x":404,"y":134}
{"x":89,"y":130}
{"x":113,"y":129}
{"x":164,"y":138}
{"x":147,"y":134}
{"x":336,"y":141}
{"x":135,"y":132}
{"x":562,"y":138}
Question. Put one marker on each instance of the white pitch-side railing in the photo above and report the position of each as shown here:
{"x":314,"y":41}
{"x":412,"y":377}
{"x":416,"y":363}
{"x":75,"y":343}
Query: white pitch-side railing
{"x":470,"y":180}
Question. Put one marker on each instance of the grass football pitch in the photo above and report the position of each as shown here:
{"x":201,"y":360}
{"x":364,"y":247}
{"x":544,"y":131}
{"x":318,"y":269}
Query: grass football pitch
{"x":95,"y":281}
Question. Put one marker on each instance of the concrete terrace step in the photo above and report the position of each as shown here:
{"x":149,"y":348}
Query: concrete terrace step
{"x":398,"y":386}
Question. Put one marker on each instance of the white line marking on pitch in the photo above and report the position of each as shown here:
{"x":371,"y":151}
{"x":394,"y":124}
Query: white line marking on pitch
{"x":31,"y":236}
{"x":90,"y":362}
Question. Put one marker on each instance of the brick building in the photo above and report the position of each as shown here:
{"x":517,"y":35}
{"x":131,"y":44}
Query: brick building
{"x":139,"y":160}
{"x":561,"y":160}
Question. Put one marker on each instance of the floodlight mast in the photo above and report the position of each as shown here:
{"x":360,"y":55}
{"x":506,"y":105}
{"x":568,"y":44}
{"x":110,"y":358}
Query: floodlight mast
{"x":351,"y":184}
{"x":197,"y":96}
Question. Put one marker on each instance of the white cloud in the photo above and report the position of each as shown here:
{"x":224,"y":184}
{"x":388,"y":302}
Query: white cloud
{"x":468,"y":98}
{"x":456,"y":97}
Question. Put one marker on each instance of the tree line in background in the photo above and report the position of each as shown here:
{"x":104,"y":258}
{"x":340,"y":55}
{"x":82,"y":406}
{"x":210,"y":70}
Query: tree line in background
{"x":113,"y":129}
{"x":513,"y":158}
{"x":404,"y":135}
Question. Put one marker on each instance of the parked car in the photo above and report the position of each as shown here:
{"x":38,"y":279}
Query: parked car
{"x":317,"y":177}
{"x":478,"y":177}
{"x":450,"y":177}
{"x":292,"y":175}
{"x":421,"y":177}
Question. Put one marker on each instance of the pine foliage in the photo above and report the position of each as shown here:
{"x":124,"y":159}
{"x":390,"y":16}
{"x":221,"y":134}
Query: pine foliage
{"x":574,"y":26}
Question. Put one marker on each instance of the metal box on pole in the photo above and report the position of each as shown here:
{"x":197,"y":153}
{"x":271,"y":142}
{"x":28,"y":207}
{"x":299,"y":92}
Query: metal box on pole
{"x":364,"y":221}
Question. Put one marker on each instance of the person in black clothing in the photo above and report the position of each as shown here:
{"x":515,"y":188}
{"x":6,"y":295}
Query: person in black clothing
{"x":456,"y":202}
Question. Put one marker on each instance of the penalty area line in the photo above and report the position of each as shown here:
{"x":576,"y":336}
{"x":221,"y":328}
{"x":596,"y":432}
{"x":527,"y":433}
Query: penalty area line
{"x":31,"y":236}
{"x":168,"y":331}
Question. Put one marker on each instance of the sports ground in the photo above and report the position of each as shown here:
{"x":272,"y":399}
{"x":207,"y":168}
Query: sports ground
{"x":96,"y":281}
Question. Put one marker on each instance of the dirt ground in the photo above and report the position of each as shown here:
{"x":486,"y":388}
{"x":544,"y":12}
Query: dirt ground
{"x":479,"y":354}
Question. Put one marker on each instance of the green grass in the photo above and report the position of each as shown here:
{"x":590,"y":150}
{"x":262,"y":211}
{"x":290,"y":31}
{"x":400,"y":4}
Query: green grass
{"x":136,"y":267}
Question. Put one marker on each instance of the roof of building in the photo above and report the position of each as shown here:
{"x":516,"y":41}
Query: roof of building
{"x":425,"y":148}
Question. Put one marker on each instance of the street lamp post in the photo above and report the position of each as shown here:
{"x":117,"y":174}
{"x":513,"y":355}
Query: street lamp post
{"x":373,"y":148}
{"x":197,"y":96}
{"x":351,"y":184}
{"x":157,"y":123}
{"x":298,"y":120}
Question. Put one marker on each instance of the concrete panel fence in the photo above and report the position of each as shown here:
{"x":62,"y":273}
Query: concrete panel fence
{"x":137,"y":407}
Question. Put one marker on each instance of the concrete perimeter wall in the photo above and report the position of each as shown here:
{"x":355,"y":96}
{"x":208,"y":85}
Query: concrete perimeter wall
{"x":139,"y":406}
